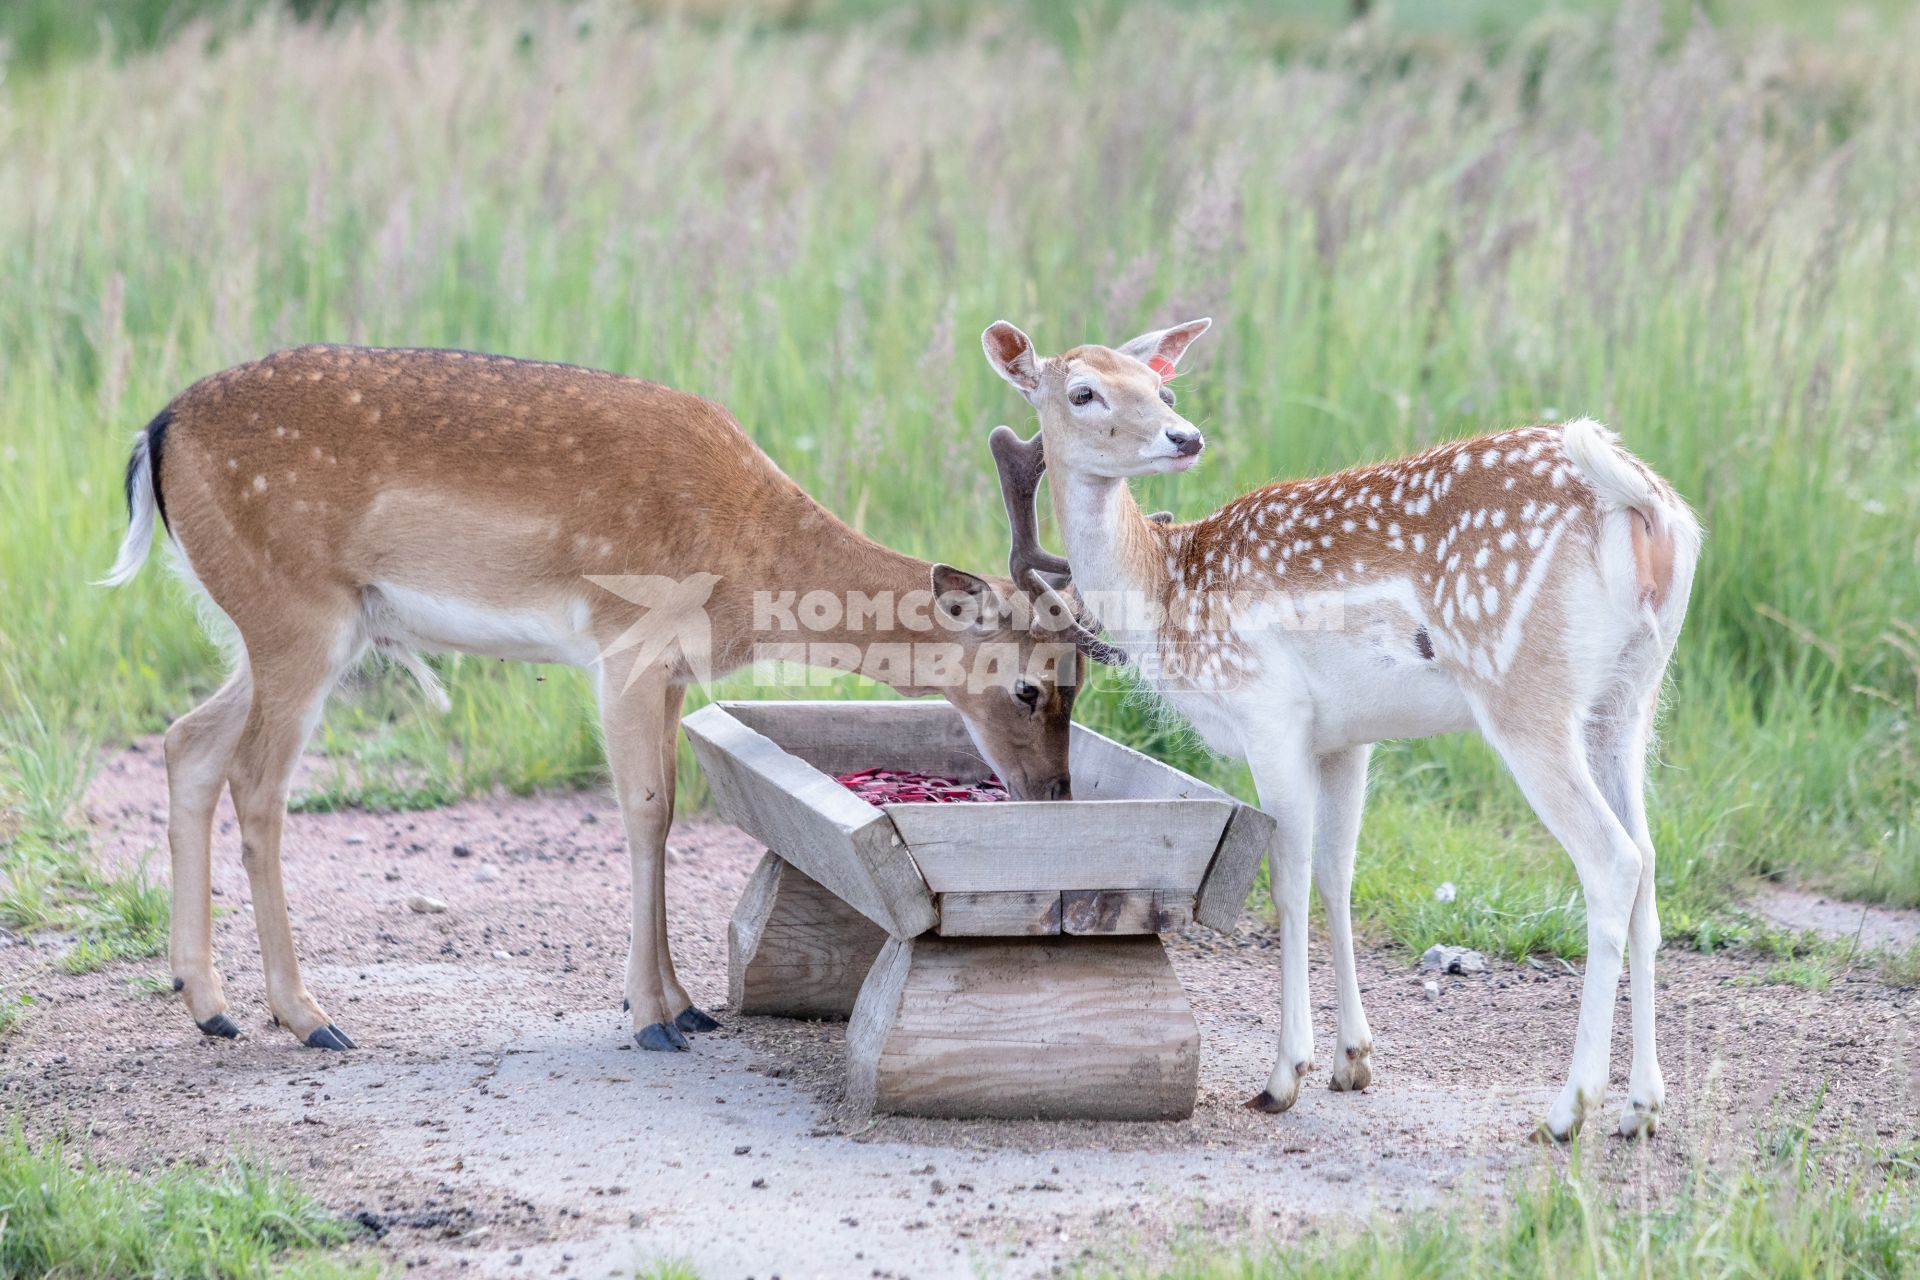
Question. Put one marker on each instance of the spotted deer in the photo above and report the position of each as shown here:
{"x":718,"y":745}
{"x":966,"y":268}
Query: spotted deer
{"x":1528,"y":584}
{"x":335,"y":500}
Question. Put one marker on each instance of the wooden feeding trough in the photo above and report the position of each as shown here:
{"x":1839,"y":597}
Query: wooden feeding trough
{"x":995,"y":959}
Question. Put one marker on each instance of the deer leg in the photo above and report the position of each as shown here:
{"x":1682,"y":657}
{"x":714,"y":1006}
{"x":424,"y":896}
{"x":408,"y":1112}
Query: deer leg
{"x":634,"y":721}
{"x":1336,"y":838}
{"x":1553,"y":773}
{"x":1285,"y":774}
{"x":289,"y":693}
{"x":689,"y":1018}
{"x":1617,"y":755}
{"x":199,"y":746}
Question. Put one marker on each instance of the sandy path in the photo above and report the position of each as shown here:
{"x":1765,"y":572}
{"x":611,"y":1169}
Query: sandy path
{"x":495,"y":1120}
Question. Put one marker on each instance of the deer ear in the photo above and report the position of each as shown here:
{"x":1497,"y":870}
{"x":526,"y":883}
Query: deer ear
{"x":1165,"y":344}
{"x":965,"y":596}
{"x":1010,"y":352}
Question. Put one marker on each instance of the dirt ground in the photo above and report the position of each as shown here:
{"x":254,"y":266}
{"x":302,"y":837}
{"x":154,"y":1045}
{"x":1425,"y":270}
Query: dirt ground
{"x":495,"y":1120}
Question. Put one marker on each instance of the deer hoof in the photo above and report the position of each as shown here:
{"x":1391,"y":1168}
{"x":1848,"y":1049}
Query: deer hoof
{"x":692,"y":1018}
{"x":660,"y":1037}
{"x":1266,"y":1102}
{"x":329,"y":1037}
{"x":1639,"y":1122}
{"x":1354,"y":1071}
{"x":219,"y":1025}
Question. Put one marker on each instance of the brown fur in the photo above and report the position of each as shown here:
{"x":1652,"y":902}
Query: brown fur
{"x":296,"y":483}
{"x":1652,"y":559}
{"x":1357,"y":526}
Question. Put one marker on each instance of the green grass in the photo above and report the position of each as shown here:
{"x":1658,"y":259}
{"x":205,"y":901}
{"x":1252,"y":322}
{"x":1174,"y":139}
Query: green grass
{"x":1781,"y":1217}
{"x":49,"y":878}
{"x":61,"y":1215}
{"x":1418,"y":229}
{"x":13,"y":1011}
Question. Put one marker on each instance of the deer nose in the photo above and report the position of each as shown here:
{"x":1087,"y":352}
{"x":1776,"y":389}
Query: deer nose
{"x":1185,"y":441}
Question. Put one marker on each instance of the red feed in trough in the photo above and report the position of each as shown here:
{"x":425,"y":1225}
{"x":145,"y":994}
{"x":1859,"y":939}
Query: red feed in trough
{"x":879,"y":786}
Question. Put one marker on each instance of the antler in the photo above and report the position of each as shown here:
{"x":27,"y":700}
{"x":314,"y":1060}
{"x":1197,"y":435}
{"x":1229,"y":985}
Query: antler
{"x":1021,"y":464}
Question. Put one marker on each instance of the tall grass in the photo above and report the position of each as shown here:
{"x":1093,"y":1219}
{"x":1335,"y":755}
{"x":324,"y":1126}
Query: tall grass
{"x":1699,"y":236}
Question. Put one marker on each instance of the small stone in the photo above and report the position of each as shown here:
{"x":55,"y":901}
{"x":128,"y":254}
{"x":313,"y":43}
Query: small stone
{"x":392,"y":875}
{"x":426,"y":906}
{"x":501,"y":955}
{"x":487,"y":874}
{"x":760,"y":1182}
{"x":356,"y":839}
{"x":741,"y":1151}
{"x":1431,"y":990}
{"x":461,"y":851}
{"x":1444,"y":959}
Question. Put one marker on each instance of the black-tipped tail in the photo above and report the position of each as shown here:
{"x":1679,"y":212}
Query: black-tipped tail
{"x":144,"y":500}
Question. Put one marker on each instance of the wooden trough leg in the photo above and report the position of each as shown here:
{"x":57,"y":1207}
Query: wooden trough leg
{"x":794,"y":950}
{"x":1048,"y":1028}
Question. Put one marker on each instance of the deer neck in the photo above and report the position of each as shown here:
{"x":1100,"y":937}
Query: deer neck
{"x":1114,"y":549}
{"x":830,"y":587}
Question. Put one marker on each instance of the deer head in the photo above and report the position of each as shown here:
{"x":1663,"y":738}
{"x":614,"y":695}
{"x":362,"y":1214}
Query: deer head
{"x":1105,"y":411}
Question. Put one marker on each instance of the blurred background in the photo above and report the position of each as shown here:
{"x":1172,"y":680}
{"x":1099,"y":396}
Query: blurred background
{"x":1410,"y":221}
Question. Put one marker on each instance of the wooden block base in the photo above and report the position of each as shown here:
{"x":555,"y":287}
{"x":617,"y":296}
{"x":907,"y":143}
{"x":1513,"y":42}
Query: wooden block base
{"x":794,"y":950}
{"x":1050,"y":1028}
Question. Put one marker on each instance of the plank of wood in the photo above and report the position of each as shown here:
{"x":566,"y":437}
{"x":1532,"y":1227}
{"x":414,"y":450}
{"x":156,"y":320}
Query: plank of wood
{"x":1106,"y":770}
{"x":1103,"y":768}
{"x":1229,"y":878}
{"x":819,"y":826}
{"x":1122,"y":911}
{"x":838,"y":737}
{"x":1020,"y":913}
{"x":794,"y":950}
{"x":1053,"y":1028}
{"x":1112,"y":844}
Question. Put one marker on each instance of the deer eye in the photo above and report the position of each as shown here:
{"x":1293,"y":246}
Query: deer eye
{"x":1166,"y":394}
{"x":1026,"y":692}
{"x":1080,"y":395}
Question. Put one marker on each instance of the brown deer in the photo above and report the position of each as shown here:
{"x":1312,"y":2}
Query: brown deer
{"x":332,"y":500}
{"x":1529,"y":584}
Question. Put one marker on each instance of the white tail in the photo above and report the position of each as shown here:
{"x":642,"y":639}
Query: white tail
{"x":1529,"y":584}
{"x":141,"y":509}
{"x":1619,"y":482}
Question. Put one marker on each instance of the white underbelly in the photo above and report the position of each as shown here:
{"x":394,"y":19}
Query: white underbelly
{"x":410,"y":619}
{"x":1369,"y":686}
